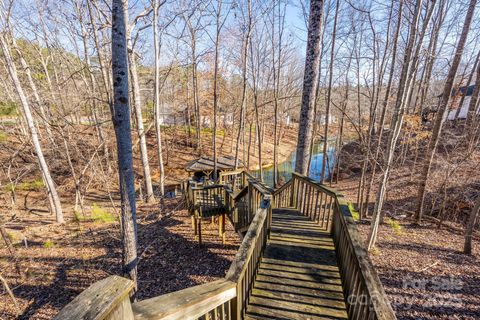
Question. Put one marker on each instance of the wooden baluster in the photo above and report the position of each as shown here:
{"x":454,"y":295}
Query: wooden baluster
{"x":330,"y":213}
{"x":319,"y":209}
{"x":309,"y":201}
{"x":315,"y":208}
{"x":200,"y":227}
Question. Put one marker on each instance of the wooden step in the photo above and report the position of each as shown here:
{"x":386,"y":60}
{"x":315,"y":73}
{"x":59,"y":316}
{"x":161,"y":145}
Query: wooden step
{"x":280,"y":309}
{"x":298,"y":276}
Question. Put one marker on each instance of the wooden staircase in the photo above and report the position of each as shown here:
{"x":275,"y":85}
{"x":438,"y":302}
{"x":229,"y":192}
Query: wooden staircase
{"x":301,"y":258}
{"x":298,"y":276}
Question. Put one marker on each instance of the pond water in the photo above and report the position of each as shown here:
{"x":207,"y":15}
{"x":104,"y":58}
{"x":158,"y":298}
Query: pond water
{"x":286,"y":168}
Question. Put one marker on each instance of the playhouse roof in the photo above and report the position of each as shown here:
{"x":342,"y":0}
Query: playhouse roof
{"x":205,"y":163}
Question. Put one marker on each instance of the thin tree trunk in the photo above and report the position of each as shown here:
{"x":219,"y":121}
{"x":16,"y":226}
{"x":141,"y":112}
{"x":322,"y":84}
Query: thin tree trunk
{"x":470,"y":77}
{"x":432,"y":145}
{"x":396,"y":125}
{"x":196,"y":102}
{"x":219,"y":25}
{"x":50,"y":184}
{"x":467,"y":248}
{"x":329,"y":94}
{"x":157,"y":97}
{"x":121,"y":122}
{"x":386,"y":103}
{"x":140,"y":129}
{"x":258,"y":127}
{"x":469,"y":121}
{"x":243,"y":107}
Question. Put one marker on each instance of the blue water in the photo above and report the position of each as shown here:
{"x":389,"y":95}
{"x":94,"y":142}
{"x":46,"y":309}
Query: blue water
{"x":286,"y":168}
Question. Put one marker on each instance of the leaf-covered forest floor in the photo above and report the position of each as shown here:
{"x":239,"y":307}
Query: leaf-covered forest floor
{"x":62,"y":260}
{"x":50,"y":264}
{"x":422,"y":267}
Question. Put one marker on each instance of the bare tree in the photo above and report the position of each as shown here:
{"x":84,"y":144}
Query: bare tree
{"x":243,"y":105}
{"x":139,"y":117}
{"x":156,"y":45}
{"x":50,"y":184}
{"x":447,"y":90}
{"x":220,"y":19}
{"x":329,"y":94}
{"x":467,"y":248}
{"x":310,"y":83}
{"x":396,"y":124}
{"x":121,"y":123}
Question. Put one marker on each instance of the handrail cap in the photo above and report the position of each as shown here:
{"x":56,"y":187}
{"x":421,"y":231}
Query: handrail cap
{"x":98,"y":300}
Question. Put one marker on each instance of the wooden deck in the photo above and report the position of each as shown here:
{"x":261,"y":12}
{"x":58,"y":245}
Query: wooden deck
{"x":298,"y":277}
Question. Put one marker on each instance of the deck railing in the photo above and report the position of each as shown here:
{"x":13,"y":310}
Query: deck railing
{"x":237,"y":203}
{"x":363,"y":291}
{"x":227,"y":298}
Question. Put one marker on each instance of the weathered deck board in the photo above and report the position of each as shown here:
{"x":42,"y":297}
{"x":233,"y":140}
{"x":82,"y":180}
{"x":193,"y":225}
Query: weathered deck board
{"x":298,"y":277}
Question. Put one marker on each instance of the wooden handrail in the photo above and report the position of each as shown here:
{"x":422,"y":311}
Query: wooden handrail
{"x":247,"y":247}
{"x":213,"y":299}
{"x":377,"y":301}
{"x":107,"y":299}
{"x":244,"y":267}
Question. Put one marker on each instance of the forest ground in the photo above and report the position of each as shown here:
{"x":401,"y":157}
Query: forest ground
{"x":49,"y":264}
{"x":422,"y":268}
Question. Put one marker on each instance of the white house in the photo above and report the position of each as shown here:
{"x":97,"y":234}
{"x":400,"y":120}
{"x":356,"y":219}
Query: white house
{"x":457,"y":95}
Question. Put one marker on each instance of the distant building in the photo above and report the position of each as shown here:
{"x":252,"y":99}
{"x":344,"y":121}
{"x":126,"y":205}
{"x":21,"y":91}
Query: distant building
{"x":170,"y":116}
{"x":457,"y":95}
{"x":321,"y":119}
{"x":172,"y":119}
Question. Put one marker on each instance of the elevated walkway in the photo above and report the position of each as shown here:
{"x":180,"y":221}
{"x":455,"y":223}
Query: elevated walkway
{"x":301,"y":258}
{"x":298,"y":276}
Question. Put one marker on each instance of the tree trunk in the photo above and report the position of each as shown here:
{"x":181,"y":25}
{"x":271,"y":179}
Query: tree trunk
{"x":385,"y":104}
{"x":467,"y":248}
{"x":396,"y":125}
{"x":50,"y":184}
{"x":329,"y":95}
{"x":243,"y":107}
{"x":139,"y":117}
{"x":157,"y":97}
{"x":219,"y":25}
{"x":432,"y":145}
{"x":196,"y":102}
{"x":121,"y":122}
{"x":310,"y":83}
{"x":471,"y":114}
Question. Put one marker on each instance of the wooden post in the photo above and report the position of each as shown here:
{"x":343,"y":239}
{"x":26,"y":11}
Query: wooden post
{"x":293,"y":201}
{"x":107,"y":299}
{"x":223,"y":228}
{"x":200,"y":228}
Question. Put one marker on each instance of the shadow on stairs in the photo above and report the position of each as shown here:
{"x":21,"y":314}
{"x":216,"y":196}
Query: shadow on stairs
{"x":298,"y":276}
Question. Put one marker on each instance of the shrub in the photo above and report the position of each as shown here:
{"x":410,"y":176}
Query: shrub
{"x":3,"y":137}
{"x":33,"y":185}
{"x":101,"y":215}
{"x":77,"y":216}
{"x":48,"y":244}
{"x":395,"y":225}
{"x":8,"y":108}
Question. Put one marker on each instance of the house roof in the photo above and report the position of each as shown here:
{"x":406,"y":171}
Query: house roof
{"x":206,"y":164}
